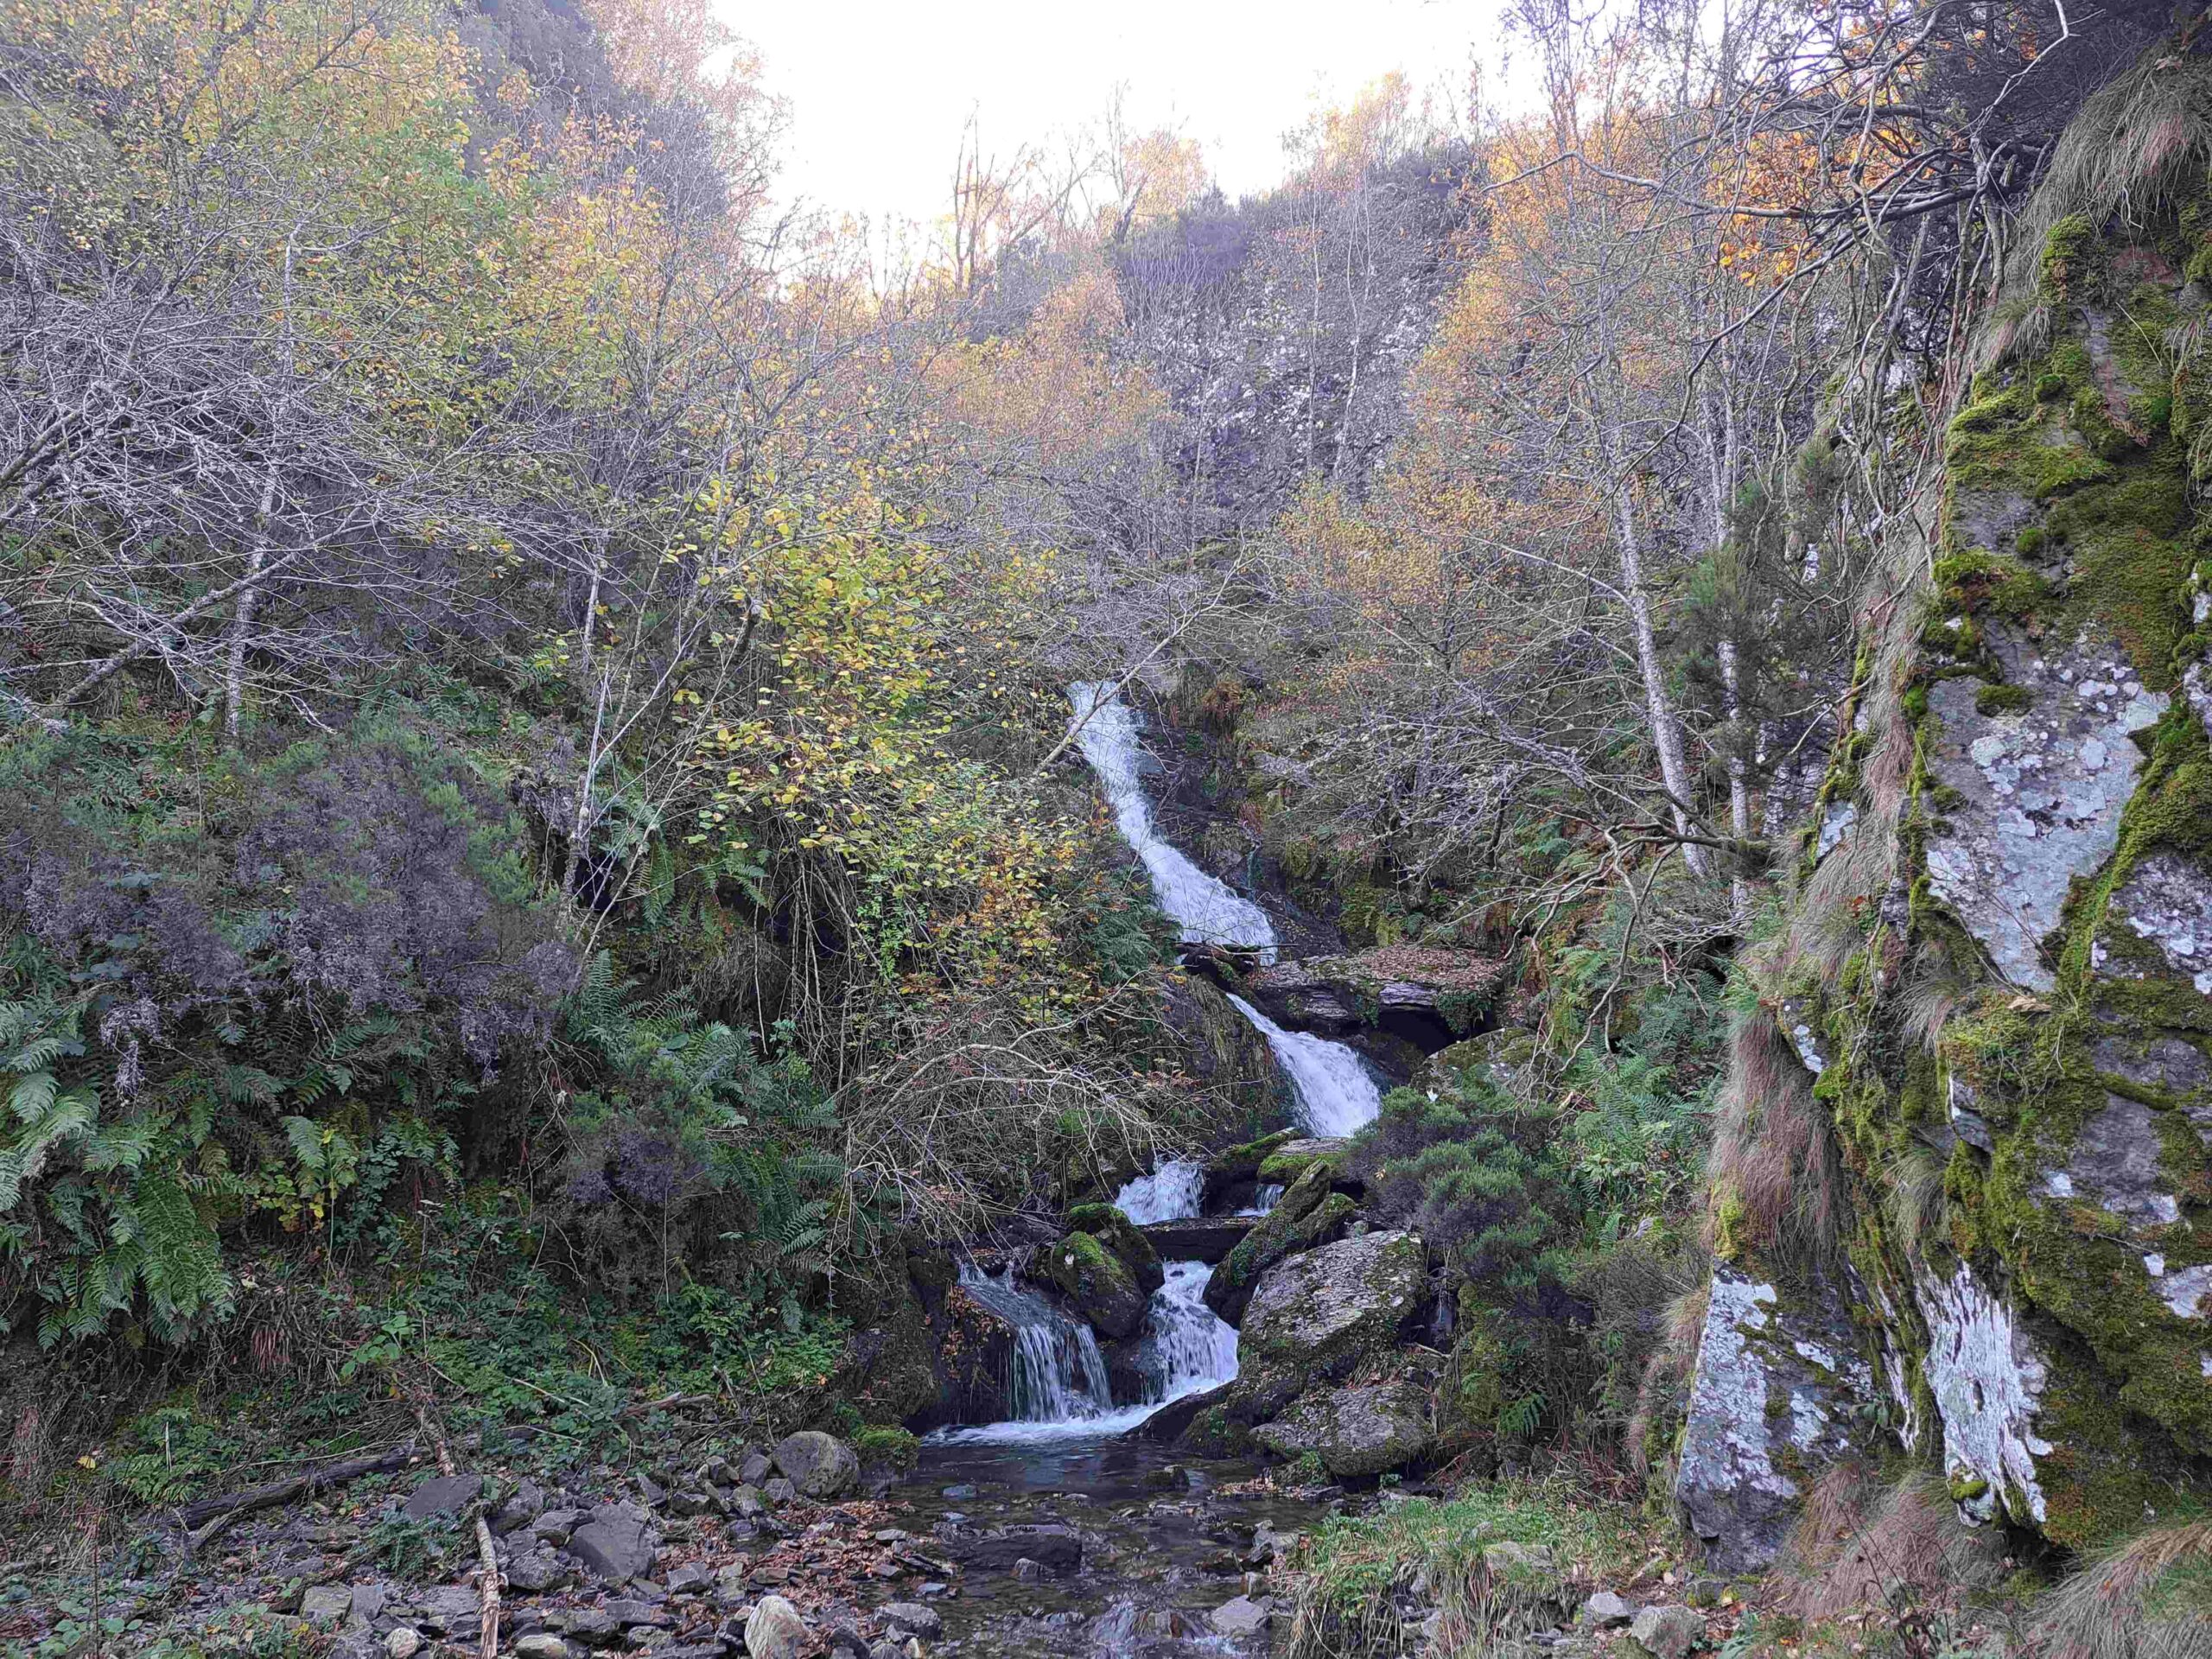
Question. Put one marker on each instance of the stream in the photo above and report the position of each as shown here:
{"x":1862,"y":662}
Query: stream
{"x":1167,"y":1539}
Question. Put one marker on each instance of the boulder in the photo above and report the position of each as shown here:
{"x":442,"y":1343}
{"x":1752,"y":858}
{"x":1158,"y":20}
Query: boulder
{"x":1130,"y":1246}
{"x":1356,"y":1432}
{"x":403,"y":1643}
{"x":1238,"y":1168}
{"x":776,"y":1631}
{"x":1604,"y":1610}
{"x":524,"y":1504}
{"x":535,"y":1571}
{"x":1293,"y":1158}
{"x":617,"y":1544}
{"x":442,"y":1495}
{"x":1317,"y":1316}
{"x":914,"y":1618}
{"x":1240,"y":1618}
{"x":325,"y":1605}
{"x":1500,"y":1059}
{"x":1777,"y":1392}
{"x":1105,"y":1294}
{"x":1196,"y":1238}
{"x":1167,"y":1425}
{"x":1425,"y":992}
{"x":1667,"y":1632}
{"x":540,"y":1644}
{"x":1308,"y":1214}
{"x":818,"y":1465}
{"x":1049,"y":1545}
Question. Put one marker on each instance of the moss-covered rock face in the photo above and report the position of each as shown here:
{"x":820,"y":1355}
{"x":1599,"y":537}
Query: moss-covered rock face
{"x":1112,"y":1229}
{"x":1308,"y":1214}
{"x":2032,"y":1002}
{"x":1092,"y":1277}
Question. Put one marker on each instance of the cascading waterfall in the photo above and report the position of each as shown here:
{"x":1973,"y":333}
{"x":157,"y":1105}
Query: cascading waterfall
{"x":1059,"y":1375}
{"x":1169,"y":1193}
{"x":1059,"y":1385}
{"x":1264,"y":1199}
{"x":1208,"y":913}
{"x":1336,"y":1096}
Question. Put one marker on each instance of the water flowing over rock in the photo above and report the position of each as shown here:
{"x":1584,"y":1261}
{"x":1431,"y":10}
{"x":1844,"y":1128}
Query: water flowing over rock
{"x":1336,"y":1093}
{"x":1201,"y":905}
{"x":1056,"y":1374}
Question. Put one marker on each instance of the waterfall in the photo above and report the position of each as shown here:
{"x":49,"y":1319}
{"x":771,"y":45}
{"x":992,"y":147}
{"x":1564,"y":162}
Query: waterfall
{"x":1060,"y":1377}
{"x":1186,"y":1345}
{"x":1335,"y":1094}
{"x":1207,"y":912}
{"x":1264,"y":1198}
{"x":1169,"y":1193}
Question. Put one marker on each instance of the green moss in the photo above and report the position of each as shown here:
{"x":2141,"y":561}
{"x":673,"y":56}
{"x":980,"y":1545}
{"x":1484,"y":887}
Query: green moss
{"x":2065,"y":256}
{"x":1114,"y":1230}
{"x":1281,"y":1168}
{"x":1994,"y":700}
{"x":888,"y":1448}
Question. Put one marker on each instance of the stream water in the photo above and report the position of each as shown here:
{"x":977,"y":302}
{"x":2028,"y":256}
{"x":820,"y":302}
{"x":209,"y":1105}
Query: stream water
{"x":1166,"y":1538}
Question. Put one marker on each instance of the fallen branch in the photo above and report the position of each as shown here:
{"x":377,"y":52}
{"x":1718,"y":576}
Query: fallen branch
{"x":487,"y":1581}
{"x":217,"y":1513}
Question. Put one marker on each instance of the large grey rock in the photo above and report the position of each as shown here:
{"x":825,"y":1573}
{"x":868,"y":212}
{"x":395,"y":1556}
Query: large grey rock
{"x":618,"y":1543}
{"x":1605,"y":1610}
{"x":1319,"y":1312}
{"x":1308,"y":1213}
{"x":1356,"y":1432}
{"x":2039,"y":792}
{"x":775,"y":1631}
{"x":1774,"y":1387}
{"x":442,"y":1495}
{"x":541,"y":1644}
{"x":535,"y":1571}
{"x":817,"y":1465}
{"x":1667,"y":1632}
{"x":1198,"y":1238}
{"x":1240,"y":1618}
{"x":324,"y":1605}
{"x":447,"y":1607}
{"x":914,"y":1618}
{"x":1987,"y":1378}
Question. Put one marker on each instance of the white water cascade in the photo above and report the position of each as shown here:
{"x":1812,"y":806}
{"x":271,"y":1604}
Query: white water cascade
{"x":1208,"y":913}
{"x":1169,"y":1193}
{"x":1058,"y":1375}
{"x":1186,"y":1346}
{"x":1335,"y":1093}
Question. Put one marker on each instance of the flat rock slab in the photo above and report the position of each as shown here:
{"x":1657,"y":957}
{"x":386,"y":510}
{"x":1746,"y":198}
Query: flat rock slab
{"x":1051,"y":1546}
{"x":443,"y":1494}
{"x":1198,"y":1238}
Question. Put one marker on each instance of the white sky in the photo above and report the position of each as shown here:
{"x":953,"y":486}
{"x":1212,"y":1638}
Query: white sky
{"x":879,"y":92}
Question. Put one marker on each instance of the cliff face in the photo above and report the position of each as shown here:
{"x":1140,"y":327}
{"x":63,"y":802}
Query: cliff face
{"x":1989,"y":1059}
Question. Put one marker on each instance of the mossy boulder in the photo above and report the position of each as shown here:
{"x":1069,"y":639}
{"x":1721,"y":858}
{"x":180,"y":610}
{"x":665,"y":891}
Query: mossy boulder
{"x":1321,"y":1314}
{"x":1358,"y":1431}
{"x":1308,"y":1214}
{"x":1238,"y":1166}
{"x":1112,"y":1229}
{"x":1104,"y":1292}
{"x":1500,"y":1058}
{"x":1291,"y":1160}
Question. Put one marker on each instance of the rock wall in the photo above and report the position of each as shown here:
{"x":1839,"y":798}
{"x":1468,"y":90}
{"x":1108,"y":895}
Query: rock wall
{"x":2014,"y":844}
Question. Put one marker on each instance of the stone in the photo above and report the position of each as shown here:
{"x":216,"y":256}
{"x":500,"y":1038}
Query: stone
{"x":523,"y":1506}
{"x":631,"y":1613}
{"x":543,"y":1644}
{"x":778,"y":1490}
{"x":1511,"y":1560}
{"x":1240,"y":1618}
{"x":754,"y":1467}
{"x":325,"y":1605}
{"x":1110,"y":1225}
{"x":2030,"y":812}
{"x":690,"y":1579}
{"x":617,"y":1544}
{"x":1667,"y":1632}
{"x":1314,"y":1316}
{"x":1356,"y":1432}
{"x":591,"y":1627}
{"x":1198,"y":1238}
{"x":1987,"y":1378}
{"x":442,"y":1495}
{"x":1773,"y":1391}
{"x":366,"y":1602}
{"x":1308,"y":1214}
{"x":1051,"y":1546}
{"x":820,"y":1465}
{"x":403,"y":1643}
{"x":1030,"y":1570}
{"x":1605,"y":1610}
{"x":775,"y":1631}
{"x":1103,"y":1291}
{"x":535,"y":1571}
{"x":447,"y":1607}
{"x":912,"y":1618}
{"x":1422,"y":990}
{"x":557,"y":1525}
